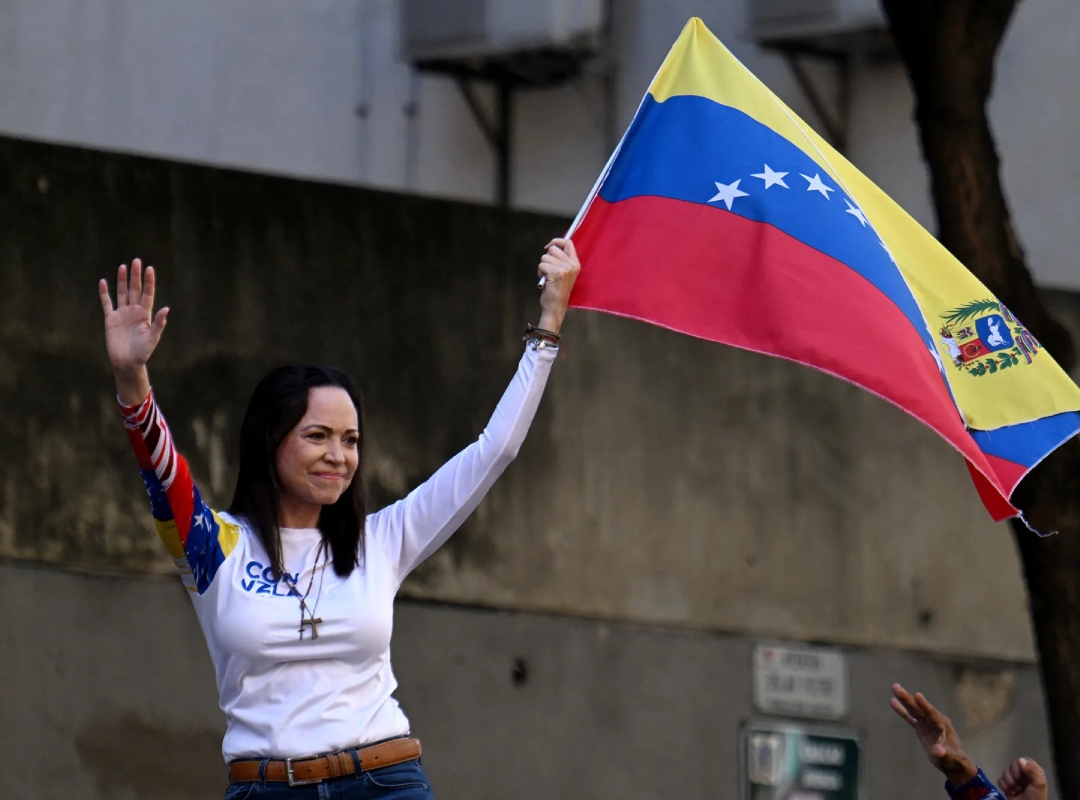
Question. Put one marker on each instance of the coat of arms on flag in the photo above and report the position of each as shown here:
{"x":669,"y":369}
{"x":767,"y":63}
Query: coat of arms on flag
{"x":995,"y":341}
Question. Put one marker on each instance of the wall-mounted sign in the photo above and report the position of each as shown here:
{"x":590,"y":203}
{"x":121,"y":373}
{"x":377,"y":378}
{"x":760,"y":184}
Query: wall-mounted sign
{"x":785,"y":761}
{"x":798,"y":681}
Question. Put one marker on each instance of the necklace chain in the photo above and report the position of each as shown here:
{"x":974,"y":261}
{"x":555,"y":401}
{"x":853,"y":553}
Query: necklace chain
{"x":312,"y":620}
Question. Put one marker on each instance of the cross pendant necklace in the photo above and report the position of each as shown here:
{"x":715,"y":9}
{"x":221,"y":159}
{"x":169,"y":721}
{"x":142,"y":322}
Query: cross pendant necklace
{"x":311,"y":619}
{"x":313,"y":622}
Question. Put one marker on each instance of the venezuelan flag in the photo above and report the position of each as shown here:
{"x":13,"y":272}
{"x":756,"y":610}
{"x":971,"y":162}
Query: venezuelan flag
{"x":724,"y":216}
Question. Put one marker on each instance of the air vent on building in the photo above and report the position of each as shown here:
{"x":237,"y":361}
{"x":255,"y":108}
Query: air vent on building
{"x":441,"y":30}
{"x":508,"y":45}
{"x":840,"y":33}
{"x":828,"y":23}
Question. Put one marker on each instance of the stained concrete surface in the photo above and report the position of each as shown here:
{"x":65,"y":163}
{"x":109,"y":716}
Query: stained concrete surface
{"x":674,"y":502}
{"x":665,"y":481}
{"x":106,"y":691}
{"x":321,"y":89}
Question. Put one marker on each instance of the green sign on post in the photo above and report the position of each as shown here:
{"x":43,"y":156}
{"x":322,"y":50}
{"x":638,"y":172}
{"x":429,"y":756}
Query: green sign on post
{"x":786,"y":761}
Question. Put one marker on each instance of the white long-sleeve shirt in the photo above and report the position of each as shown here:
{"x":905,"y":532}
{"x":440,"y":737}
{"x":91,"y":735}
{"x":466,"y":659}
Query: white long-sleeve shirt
{"x":285,"y":696}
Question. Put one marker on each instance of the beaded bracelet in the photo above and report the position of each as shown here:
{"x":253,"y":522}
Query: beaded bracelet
{"x":540,"y":338}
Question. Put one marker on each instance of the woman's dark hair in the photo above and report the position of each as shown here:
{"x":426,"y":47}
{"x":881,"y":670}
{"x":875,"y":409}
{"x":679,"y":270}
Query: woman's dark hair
{"x":277,"y":405}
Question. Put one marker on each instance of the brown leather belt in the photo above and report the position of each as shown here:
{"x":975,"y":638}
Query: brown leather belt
{"x":315,"y":769}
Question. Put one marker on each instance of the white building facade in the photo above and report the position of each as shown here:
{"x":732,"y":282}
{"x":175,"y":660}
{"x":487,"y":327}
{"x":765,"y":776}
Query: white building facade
{"x":320,"y":89}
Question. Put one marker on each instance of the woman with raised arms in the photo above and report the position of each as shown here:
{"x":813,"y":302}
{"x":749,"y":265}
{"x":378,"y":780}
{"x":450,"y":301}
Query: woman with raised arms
{"x":294,"y":584}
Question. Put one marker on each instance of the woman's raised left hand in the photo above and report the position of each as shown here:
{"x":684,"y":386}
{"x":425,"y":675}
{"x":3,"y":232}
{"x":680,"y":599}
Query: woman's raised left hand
{"x":560,"y":266}
{"x":132,"y":329}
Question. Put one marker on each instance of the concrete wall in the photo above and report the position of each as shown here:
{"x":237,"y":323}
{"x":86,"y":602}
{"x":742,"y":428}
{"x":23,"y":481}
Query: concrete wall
{"x":666,"y":480}
{"x":107,"y":692}
{"x":319,"y":90}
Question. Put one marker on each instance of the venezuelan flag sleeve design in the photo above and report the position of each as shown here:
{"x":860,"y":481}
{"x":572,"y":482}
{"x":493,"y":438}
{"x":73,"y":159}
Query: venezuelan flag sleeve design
{"x":196,"y":537}
{"x":724,"y":216}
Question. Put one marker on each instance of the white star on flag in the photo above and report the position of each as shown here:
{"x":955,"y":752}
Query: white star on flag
{"x":771,"y":178}
{"x":200,"y":520}
{"x":892,"y":258}
{"x":728,"y":193}
{"x":817,"y":186}
{"x":856,"y":212}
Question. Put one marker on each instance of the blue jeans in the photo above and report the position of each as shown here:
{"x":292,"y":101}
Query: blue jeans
{"x":404,"y":781}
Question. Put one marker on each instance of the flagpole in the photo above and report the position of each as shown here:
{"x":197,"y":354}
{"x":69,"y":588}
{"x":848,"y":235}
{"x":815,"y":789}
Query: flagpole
{"x":611,"y":159}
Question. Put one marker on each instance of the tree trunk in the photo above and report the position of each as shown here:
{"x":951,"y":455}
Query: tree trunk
{"x":948,"y":48}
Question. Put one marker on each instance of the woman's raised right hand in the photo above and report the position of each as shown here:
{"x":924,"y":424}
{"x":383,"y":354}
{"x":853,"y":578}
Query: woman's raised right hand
{"x":132,"y":330}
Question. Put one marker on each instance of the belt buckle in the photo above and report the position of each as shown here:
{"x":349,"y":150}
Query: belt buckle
{"x":292,"y":777}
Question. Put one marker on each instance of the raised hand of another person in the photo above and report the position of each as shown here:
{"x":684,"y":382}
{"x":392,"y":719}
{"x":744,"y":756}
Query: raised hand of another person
{"x":1023,"y":780}
{"x":936,"y":734}
{"x":560,"y":266}
{"x":132,"y":330}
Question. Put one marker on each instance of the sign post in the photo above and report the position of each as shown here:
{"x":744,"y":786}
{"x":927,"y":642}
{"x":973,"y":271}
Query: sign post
{"x":788,"y":761}
{"x":800,"y":681}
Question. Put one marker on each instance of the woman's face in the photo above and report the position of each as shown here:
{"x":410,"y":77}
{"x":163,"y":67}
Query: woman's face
{"x":317,"y":459}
